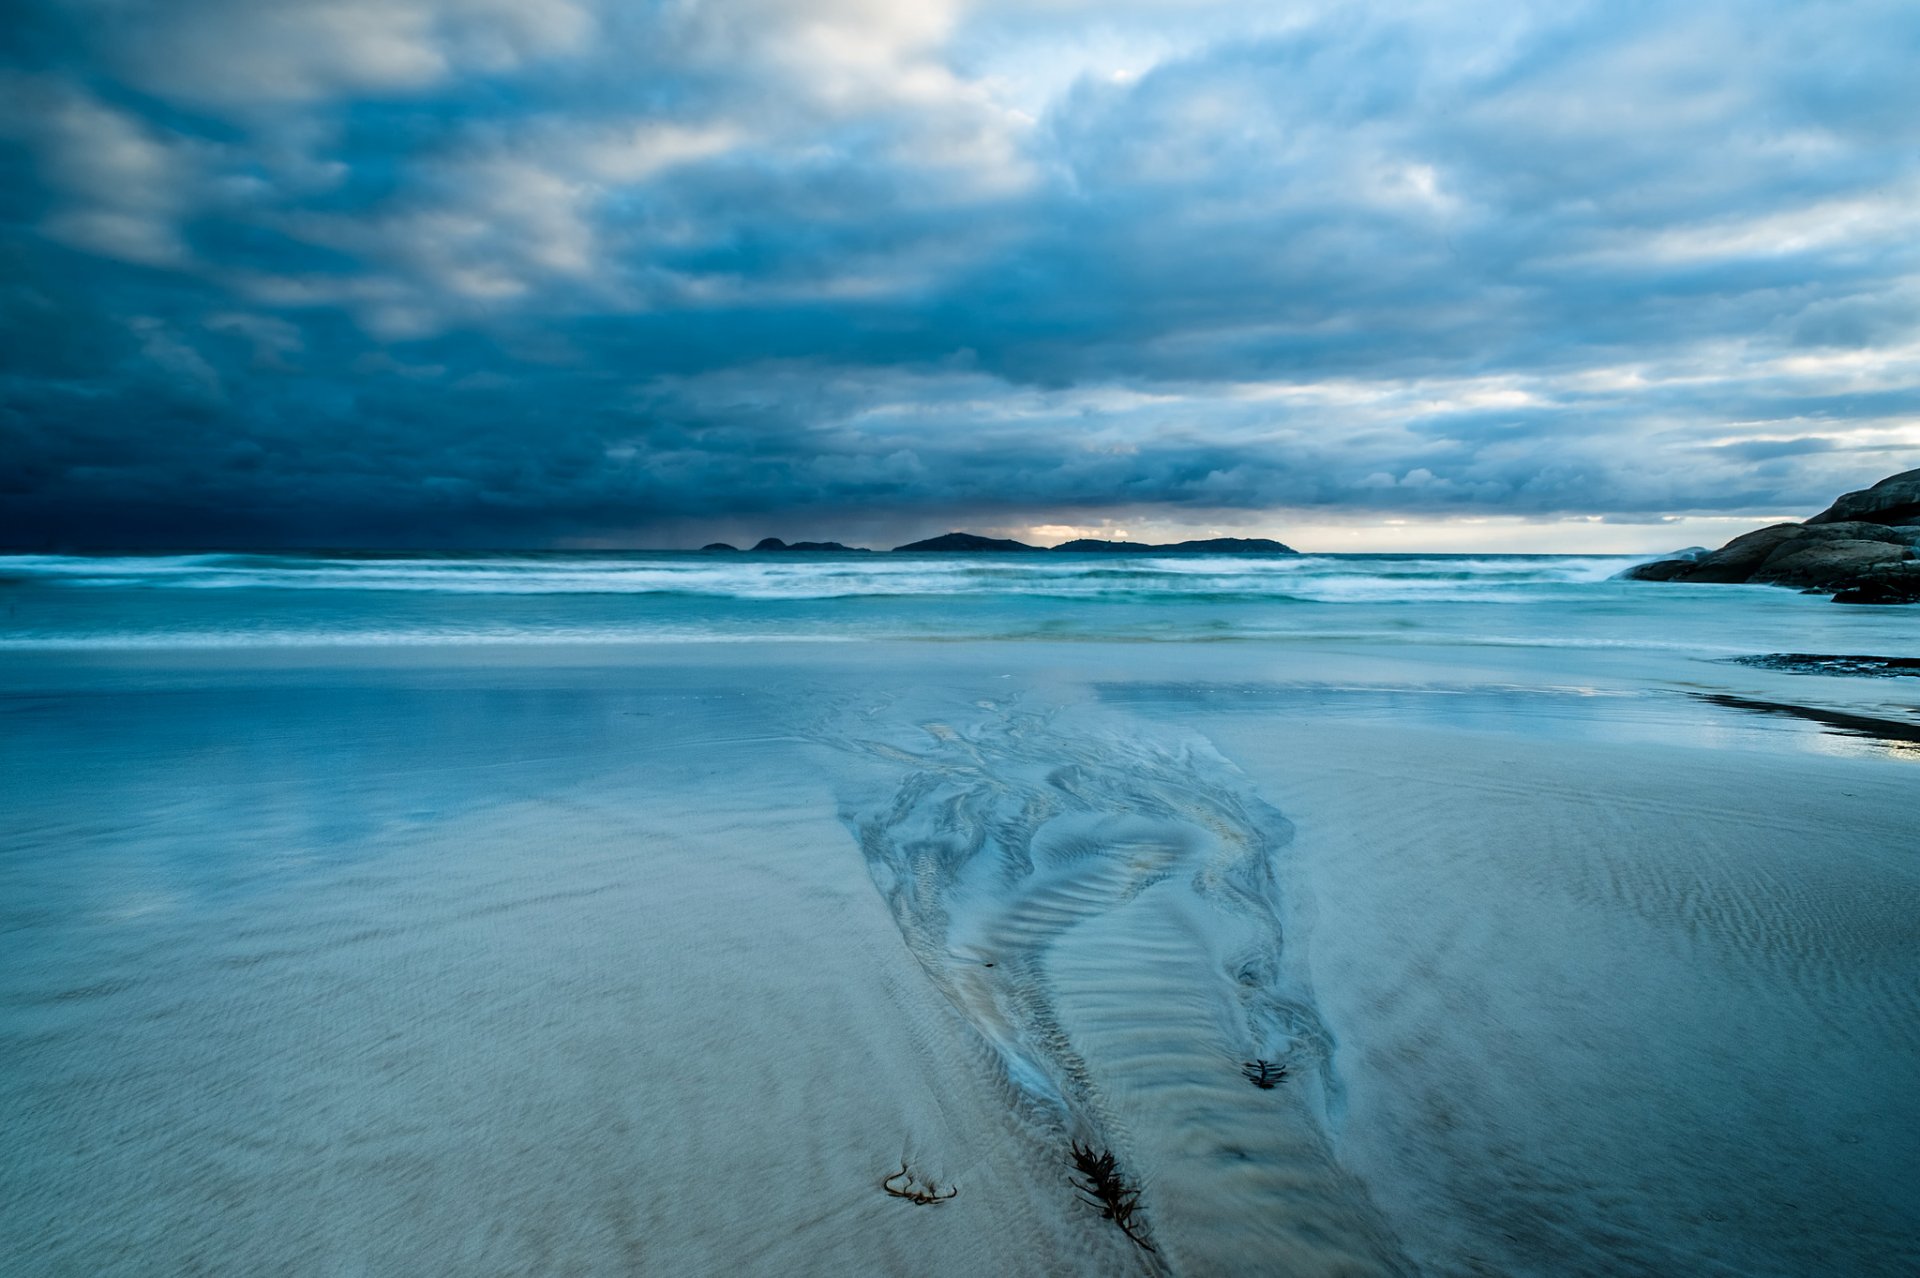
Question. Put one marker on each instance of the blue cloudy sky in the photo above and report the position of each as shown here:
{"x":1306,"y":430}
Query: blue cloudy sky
{"x":573,"y":272}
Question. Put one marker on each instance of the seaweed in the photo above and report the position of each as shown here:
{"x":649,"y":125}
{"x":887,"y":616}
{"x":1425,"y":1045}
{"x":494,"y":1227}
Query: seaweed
{"x":1106,"y":1190}
{"x":920,"y":1193}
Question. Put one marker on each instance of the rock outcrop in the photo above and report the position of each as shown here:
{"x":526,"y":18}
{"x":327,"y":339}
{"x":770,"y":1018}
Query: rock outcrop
{"x":1812,"y":563}
{"x":1862,"y":547}
{"x":1205,"y":546}
{"x":1895,"y":501}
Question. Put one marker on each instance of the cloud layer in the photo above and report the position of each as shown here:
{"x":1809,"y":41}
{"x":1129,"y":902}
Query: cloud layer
{"x":554,"y":271}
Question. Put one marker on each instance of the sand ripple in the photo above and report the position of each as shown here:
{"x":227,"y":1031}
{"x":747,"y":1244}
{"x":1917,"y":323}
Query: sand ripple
{"x":1103,"y":908}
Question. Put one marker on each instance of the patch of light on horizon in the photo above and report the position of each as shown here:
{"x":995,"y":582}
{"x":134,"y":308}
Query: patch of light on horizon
{"x":1315,"y":533}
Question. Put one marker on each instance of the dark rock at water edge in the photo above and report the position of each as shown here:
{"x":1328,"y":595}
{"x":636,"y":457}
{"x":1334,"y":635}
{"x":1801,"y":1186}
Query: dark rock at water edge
{"x":766,"y":544}
{"x":1863,"y":547}
{"x":1204,"y":546}
{"x":721,"y":545}
{"x":1785,"y":554}
{"x":965,"y":543}
{"x":1660,"y":570}
{"x":1897,"y":583}
{"x":1823,"y":663}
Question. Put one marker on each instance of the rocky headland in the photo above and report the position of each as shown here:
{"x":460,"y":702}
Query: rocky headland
{"x":1861,"y":549}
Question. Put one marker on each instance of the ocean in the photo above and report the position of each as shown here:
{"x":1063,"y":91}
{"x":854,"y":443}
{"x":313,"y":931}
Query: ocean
{"x":245,"y":600}
{"x":693,"y":913}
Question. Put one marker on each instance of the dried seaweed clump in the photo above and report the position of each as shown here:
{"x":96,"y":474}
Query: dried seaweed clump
{"x":923,"y":1193}
{"x":1102,"y":1187}
{"x":1263,"y":1074}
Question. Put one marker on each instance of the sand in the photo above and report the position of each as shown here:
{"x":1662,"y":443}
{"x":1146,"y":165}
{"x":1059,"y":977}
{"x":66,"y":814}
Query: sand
{"x":658,"y":961}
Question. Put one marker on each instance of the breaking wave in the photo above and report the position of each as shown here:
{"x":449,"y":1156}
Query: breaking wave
{"x":1306,"y":578}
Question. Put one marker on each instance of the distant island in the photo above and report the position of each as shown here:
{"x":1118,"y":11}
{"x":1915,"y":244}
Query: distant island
{"x":772,"y":544}
{"x":962,"y":543}
{"x":1861,"y":549}
{"x":830,"y":547}
{"x":1204,"y":546}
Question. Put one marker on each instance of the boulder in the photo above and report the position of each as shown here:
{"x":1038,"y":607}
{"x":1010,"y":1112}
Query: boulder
{"x":1897,"y":583}
{"x":1810,"y":563}
{"x":1894,"y":500}
{"x":1737,"y":560}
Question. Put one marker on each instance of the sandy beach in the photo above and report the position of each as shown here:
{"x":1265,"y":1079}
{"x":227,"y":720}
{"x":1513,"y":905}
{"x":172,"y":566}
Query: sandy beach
{"x":660,"y":960}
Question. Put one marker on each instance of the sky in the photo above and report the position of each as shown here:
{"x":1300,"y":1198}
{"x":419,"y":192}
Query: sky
{"x":566,"y":273}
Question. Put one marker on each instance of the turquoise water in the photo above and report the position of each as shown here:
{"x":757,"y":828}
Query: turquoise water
{"x":216,"y":600}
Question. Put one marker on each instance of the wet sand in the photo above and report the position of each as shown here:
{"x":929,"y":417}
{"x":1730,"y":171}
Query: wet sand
{"x":659,"y":961}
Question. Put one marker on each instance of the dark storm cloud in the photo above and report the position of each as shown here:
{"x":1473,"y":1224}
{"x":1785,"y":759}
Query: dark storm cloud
{"x":471,"y":271}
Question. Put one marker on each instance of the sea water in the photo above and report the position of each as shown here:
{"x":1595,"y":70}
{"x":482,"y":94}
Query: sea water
{"x":220,"y":600}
